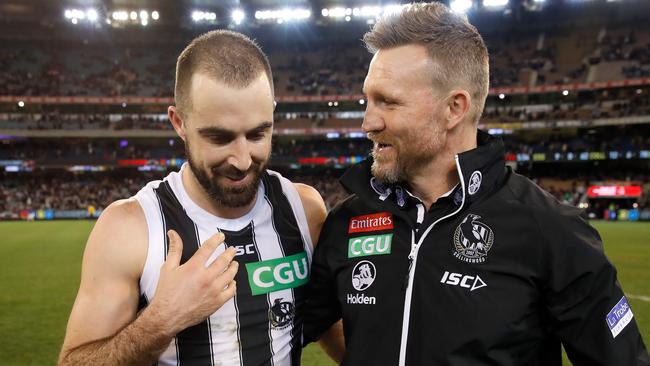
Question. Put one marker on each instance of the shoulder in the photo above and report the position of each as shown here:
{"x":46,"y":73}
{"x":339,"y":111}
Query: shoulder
{"x":560,"y":225}
{"x":312,"y":203}
{"x":119,"y":239}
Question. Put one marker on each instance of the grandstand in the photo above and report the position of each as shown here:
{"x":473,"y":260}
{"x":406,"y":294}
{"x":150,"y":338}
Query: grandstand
{"x":89,"y":100}
{"x":84,"y":94}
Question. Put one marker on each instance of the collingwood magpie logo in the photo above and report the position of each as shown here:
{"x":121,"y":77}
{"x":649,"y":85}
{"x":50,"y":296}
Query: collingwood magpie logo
{"x":474,"y":182}
{"x":363,"y":275}
{"x":472,"y":240}
{"x":281,"y":313}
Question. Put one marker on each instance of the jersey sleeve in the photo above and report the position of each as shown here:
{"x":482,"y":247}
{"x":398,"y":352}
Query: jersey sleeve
{"x":589,"y":312}
{"x":322,"y":308}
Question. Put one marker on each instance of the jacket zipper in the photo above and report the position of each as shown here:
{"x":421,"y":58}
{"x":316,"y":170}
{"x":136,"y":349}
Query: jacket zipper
{"x":412,"y":257}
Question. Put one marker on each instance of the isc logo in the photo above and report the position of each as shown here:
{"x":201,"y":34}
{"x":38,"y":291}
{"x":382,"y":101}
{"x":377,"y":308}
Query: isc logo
{"x":245,"y":249}
{"x":464,"y":281}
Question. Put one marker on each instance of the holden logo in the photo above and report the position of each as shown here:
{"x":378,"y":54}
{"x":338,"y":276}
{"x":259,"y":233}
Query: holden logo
{"x":363,"y":275}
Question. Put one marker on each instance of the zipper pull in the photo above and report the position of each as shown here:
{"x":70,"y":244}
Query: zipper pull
{"x":411,"y":257}
{"x":408,"y":274}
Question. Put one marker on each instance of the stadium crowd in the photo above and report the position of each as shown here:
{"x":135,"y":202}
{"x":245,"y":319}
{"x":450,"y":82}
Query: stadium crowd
{"x":81,"y":191}
{"x":604,"y":104}
{"x":317,"y":69}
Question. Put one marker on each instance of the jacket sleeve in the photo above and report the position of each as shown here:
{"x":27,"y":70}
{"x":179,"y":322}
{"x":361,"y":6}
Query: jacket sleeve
{"x":322,"y":308}
{"x":588,"y":309}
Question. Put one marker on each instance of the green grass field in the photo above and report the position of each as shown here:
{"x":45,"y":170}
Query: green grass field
{"x":40,"y":265}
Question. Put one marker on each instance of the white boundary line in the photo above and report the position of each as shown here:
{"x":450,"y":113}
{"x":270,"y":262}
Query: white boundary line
{"x":639,"y":297}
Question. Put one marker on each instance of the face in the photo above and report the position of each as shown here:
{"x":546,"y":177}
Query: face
{"x":403,"y":114}
{"x":228,"y":138}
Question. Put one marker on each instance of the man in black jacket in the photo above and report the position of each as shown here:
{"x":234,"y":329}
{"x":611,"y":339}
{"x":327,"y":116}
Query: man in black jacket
{"x":443,"y":256}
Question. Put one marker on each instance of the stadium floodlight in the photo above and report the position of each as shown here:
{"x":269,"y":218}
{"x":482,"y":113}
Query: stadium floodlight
{"x":133,"y":15}
{"x":21,"y":103}
{"x":144,"y":22}
{"x":336,"y":12}
{"x":74,"y":15}
{"x":539,"y":1}
{"x":495,"y":3}
{"x":394,"y":9}
{"x":92,"y":15}
{"x":238,"y":16}
{"x":120,"y":15}
{"x":144,"y":14}
{"x":502,"y":96}
{"x":461,"y":6}
{"x":362,"y":101}
{"x":155,"y":15}
{"x":199,"y":16}
{"x":347,"y":18}
{"x":370,"y":11}
{"x":565,"y":92}
{"x":282,"y":15}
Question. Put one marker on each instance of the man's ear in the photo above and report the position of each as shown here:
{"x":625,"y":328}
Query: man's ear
{"x":177,"y":122}
{"x":459,"y":103}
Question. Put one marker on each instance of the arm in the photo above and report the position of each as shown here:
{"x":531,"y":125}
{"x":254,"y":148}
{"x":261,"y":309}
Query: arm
{"x":103,"y":328}
{"x":332,"y":341}
{"x":581,"y":294}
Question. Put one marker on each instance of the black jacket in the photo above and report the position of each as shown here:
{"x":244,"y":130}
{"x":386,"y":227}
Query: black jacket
{"x":497,"y":273}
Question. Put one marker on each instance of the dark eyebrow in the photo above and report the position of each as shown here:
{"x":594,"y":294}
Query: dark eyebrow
{"x":263,"y":127}
{"x":218,"y":131}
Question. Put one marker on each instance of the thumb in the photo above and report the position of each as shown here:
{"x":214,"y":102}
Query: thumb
{"x":175,"y":250}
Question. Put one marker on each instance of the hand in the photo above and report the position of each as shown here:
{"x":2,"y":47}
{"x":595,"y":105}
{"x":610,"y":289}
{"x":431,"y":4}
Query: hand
{"x":187,"y":294}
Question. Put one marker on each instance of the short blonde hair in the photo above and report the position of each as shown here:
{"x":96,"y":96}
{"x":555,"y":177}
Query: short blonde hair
{"x":455,"y":46}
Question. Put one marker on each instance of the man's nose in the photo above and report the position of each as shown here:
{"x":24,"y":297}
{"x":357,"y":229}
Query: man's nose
{"x":240,"y":155}
{"x":372,"y":120}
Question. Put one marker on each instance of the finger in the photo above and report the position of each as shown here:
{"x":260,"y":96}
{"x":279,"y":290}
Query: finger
{"x":227,"y":274}
{"x":222,"y":262}
{"x":229,"y":292}
{"x":223,"y":280}
{"x":175,"y":250}
{"x":207,"y":248}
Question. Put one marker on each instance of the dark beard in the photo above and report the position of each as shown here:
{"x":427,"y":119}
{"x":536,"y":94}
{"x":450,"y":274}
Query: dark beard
{"x":230,"y":197}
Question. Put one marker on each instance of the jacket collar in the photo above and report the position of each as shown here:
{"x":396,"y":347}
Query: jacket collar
{"x":480,"y":170}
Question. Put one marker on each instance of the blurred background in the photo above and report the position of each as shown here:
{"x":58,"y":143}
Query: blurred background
{"x":84,"y":87}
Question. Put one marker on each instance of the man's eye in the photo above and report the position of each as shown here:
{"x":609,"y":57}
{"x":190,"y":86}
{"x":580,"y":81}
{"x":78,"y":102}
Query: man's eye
{"x":219,"y":140}
{"x":256,"y":136}
{"x":388,"y":102}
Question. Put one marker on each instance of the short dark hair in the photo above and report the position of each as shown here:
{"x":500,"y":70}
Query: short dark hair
{"x":229,"y":57}
{"x":457,"y":49}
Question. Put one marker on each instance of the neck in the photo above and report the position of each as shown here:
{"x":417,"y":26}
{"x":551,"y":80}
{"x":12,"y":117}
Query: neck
{"x":434,"y":180}
{"x":440,"y":175}
{"x":198,"y":195}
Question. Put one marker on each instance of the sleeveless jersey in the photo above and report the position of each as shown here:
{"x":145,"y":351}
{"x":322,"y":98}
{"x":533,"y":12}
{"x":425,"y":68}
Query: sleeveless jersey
{"x":262,"y":324}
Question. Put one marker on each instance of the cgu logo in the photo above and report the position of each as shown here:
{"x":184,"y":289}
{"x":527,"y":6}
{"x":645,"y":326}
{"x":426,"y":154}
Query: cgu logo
{"x":278,"y":274}
{"x":369,"y":245}
{"x":464,"y":281}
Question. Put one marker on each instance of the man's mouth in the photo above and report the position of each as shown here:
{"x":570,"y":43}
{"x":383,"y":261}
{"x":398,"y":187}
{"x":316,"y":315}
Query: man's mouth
{"x":382,"y":146}
{"x":236,"y":178}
